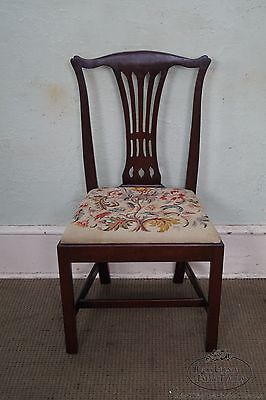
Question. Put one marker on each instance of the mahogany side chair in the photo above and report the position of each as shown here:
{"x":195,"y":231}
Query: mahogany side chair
{"x":141,"y":220}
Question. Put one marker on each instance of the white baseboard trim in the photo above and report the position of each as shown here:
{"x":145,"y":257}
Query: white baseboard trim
{"x":30,"y":252}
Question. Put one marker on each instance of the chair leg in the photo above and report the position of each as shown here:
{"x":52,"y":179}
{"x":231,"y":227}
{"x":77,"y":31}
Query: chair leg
{"x":68,"y":304}
{"x":104,"y":273}
{"x":179,"y":272}
{"x":214,"y":299}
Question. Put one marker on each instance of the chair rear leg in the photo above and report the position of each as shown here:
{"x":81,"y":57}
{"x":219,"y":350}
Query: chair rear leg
{"x":68,"y":304}
{"x":214,"y":299}
{"x":179,"y":272}
{"x":104,"y":273}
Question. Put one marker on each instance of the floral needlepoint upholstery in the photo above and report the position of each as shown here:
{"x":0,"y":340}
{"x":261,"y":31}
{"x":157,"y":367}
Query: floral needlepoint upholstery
{"x":140,"y":214}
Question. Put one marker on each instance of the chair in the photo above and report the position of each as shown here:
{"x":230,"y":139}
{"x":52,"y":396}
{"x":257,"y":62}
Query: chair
{"x":141,"y":220}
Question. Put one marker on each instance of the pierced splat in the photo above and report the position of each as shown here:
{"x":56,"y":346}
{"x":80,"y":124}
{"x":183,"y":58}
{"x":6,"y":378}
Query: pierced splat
{"x":140,"y":76}
{"x":140,"y":94}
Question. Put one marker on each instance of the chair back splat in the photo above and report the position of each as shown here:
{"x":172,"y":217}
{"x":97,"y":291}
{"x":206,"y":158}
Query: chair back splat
{"x":140,"y":76}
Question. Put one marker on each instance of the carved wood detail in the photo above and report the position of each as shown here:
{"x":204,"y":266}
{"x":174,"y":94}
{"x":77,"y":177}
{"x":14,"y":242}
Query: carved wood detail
{"x":141,"y":105}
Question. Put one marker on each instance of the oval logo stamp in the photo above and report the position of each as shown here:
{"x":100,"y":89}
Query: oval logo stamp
{"x":219,"y":370}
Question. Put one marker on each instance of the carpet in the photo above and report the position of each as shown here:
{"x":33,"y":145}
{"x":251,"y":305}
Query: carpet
{"x":127,"y":354}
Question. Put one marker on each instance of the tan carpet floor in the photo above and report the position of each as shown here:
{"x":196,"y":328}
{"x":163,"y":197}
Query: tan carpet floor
{"x":125,"y":354}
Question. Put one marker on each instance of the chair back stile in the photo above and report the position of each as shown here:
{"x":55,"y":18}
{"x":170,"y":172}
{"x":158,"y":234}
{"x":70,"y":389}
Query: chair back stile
{"x":140,"y":76}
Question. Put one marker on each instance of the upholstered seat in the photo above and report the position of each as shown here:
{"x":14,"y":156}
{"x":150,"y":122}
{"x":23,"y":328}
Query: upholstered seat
{"x":140,"y":215}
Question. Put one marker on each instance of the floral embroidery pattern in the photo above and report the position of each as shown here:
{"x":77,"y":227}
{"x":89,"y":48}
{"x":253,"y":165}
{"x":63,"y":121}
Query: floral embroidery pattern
{"x":140,"y":209}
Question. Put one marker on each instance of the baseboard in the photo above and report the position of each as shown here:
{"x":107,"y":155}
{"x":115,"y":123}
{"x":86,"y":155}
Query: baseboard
{"x":30,"y":252}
